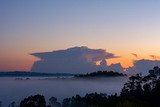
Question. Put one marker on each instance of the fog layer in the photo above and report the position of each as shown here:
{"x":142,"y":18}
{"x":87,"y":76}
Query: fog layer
{"x":16,"y":90}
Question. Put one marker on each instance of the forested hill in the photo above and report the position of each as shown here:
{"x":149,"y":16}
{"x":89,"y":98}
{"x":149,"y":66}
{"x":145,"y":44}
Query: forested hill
{"x":101,"y":74}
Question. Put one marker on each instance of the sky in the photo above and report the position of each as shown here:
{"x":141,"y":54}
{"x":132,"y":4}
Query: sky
{"x":122,"y":27}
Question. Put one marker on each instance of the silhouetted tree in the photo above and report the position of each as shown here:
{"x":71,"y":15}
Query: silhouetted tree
{"x":101,"y":74}
{"x":155,"y":71}
{"x":33,"y":101}
{"x":53,"y":102}
{"x":0,"y":103}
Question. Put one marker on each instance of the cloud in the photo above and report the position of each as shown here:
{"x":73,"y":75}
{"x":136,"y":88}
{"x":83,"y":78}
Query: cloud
{"x":83,"y":60}
{"x":154,"y":57}
{"x":115,"y":67}
{"x":72,"y":60}
{"x":135,"y":55}
{"x":143,"y":66}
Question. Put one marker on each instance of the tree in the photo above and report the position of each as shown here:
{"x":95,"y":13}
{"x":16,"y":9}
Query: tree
{"x":53,"y":102}
{"x":0,"y":103}
{"x":34,"y":101}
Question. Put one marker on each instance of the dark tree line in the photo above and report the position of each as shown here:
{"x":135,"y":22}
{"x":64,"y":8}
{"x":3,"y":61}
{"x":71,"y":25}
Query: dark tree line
{"x":101,"y":74}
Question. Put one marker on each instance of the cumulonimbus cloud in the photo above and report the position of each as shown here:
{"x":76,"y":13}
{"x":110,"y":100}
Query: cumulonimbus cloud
{"x":71,"y":60}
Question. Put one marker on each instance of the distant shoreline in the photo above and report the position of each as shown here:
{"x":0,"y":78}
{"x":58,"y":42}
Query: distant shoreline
{"x":32,"y":74}
{"x":98,"y":74}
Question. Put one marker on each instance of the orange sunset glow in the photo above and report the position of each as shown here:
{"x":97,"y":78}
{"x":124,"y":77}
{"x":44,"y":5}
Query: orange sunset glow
{"x":98,"y":25}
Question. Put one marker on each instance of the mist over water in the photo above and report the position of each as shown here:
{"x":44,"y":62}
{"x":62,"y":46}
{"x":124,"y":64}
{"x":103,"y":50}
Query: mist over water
{"x":16,"y":90}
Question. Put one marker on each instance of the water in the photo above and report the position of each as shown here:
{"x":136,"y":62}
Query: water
{"x":16,"y":90}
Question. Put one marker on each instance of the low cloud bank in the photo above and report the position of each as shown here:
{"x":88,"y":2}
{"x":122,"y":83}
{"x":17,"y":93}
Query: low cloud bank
{"x":143,"y":66}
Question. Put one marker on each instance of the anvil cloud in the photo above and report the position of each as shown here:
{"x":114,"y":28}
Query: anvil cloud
{"x":72,"y":60}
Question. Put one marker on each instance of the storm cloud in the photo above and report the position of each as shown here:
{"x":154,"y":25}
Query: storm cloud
{"x":72,"y":60}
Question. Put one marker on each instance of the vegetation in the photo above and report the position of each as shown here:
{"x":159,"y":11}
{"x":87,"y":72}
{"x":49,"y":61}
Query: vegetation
{"x":155,"y":71}
{"x":139,"y":91}
{"x":33,"y":101}
{"x":101,"y":74}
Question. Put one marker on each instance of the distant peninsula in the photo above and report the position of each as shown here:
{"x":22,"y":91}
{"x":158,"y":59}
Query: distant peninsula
{"x":100,"y":74}
{"x":32,"y":74}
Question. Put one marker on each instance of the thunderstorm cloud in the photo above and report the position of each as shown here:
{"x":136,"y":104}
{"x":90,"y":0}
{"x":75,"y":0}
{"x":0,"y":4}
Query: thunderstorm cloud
{"x":72,"y":60}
